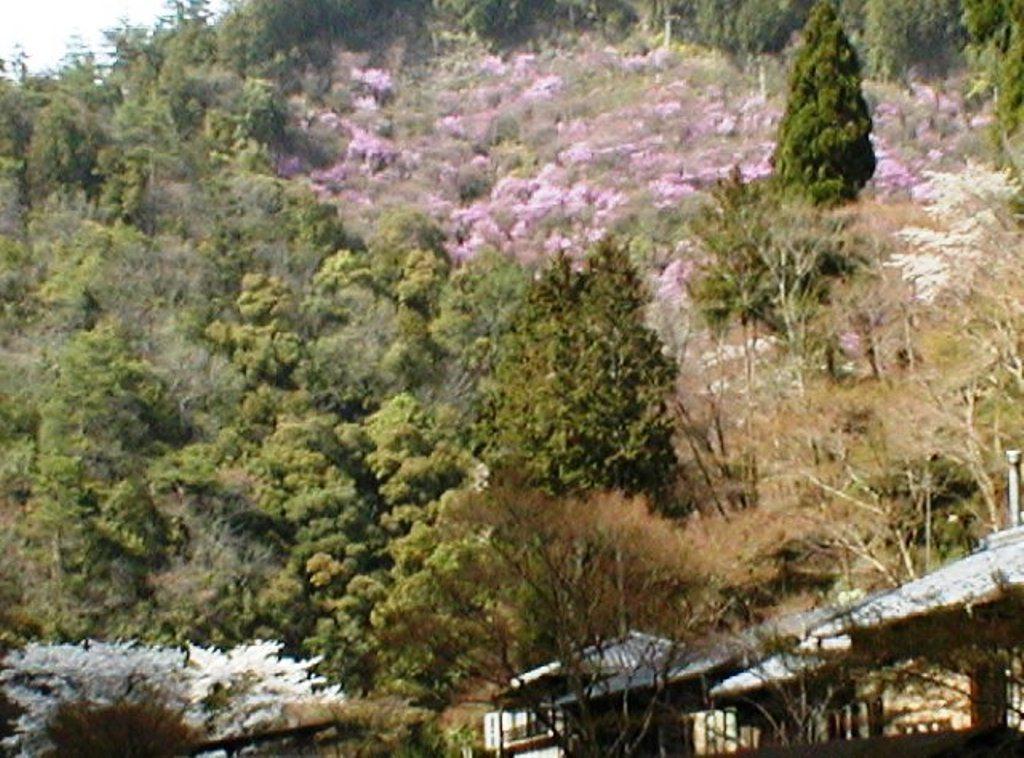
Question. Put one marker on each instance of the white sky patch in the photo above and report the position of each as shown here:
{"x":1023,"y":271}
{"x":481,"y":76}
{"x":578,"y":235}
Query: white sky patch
{"x":44,"y":28}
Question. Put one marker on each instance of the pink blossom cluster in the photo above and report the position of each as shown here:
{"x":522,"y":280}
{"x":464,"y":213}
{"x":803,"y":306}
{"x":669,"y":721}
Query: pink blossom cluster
{"x":668,"y":109}
{"x":721,"y":120}
{"x":453,"y":126}
{"x":365,"y":103}
{"x":982,"y":120}
{"x":366,"y":154}
{"x":851,"y":344}
{"x":492,"y":65}
{"x":331,"y":179}
{"x":671,"y":189}
{"x":942,"y":101}
{"x":376,"y":82}
{"x":892,"y":174}
{"x":671,"y":284}
{"x":290,"y":166}
{"x":655,"y":59}
{"x":524,"y":65}
{"x":575,"y":154}
{"x":887,"y":111}
{"x":520,"y":213}
{"x":544,"y":88}
{"x":373,"y":152}
{"x":758,"y":115}
{"x":762,"y":167}
{"x":331,"y":120}
{"x":920,"y":129}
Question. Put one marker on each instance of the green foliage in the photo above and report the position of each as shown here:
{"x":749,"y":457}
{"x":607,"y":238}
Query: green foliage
{"x":996,"y":28}
{"x":258,"y":33}
{"x":105,"y":412}
{"x":271,"y":36}
{"x":748,"y":27}
{"x":580,"y":386}
{"x":507,"y":577}
{"x":988,"y":21}
{"x":1010,"y":102}
{"x":224,"y":417}
{"x":107,"y":406}
{"x":264,"y":113}
{"x":770,"y":265}
{"x":263,"y":347}
{"x":16,"y":115}
{"x":491,"y":18}
{"x":65,"y":148}
{"x":824,"y":148}
{"x":413,"y":459}
{"x":900,"y":35}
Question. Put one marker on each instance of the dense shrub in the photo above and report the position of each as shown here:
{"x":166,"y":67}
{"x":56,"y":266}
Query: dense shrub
{"x":136,"y":730}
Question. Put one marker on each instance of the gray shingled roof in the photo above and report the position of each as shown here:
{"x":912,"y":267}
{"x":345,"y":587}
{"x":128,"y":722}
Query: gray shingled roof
{"x":680,"y":664}
{"x":636,"y":651}
{"x":775,"y":670}
{"x":977,"y":579}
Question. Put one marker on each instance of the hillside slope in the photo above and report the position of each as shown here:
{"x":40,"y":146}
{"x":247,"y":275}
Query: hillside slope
{"x":531,"y":153}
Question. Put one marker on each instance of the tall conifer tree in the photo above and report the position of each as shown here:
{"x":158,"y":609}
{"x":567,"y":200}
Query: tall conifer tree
{"x":824,"y":150}
{"x":579,"y":392}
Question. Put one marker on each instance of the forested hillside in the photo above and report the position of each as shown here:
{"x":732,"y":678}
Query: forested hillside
{"x":391,"y":331}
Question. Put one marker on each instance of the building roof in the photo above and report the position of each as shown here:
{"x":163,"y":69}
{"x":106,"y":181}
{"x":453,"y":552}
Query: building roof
{"x":640,"y":661}
{"x":634,"y":652}
{"x":676,"y":664}
{"x":979,"y":578}
{"x":777,"y":669}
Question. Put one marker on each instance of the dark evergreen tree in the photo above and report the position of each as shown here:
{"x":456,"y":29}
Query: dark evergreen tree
{"x":579,"y":392}
{"x":824,"y":149}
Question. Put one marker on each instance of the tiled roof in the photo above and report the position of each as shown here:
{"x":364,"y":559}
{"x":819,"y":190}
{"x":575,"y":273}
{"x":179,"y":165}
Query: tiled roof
{"x":975,"y":580}
{"x":633,"y":652}
{"x":979,"y":578}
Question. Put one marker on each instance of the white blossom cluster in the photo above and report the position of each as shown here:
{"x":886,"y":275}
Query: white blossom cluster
{"x":259,"y":682}
{"x":966,"y":210}
{"x":220,"y":693}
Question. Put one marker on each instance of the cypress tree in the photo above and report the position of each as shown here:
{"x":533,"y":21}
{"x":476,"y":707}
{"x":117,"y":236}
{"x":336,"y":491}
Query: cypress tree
{"x":824,"y":150}
{"x":578,"y":395}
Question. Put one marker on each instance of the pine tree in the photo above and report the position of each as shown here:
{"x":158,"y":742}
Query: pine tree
{"x":579,"y":391}
{"x":824,"y":149}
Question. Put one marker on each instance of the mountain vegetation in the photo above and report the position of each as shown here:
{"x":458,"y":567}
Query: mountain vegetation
{"x":434,"y":340}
